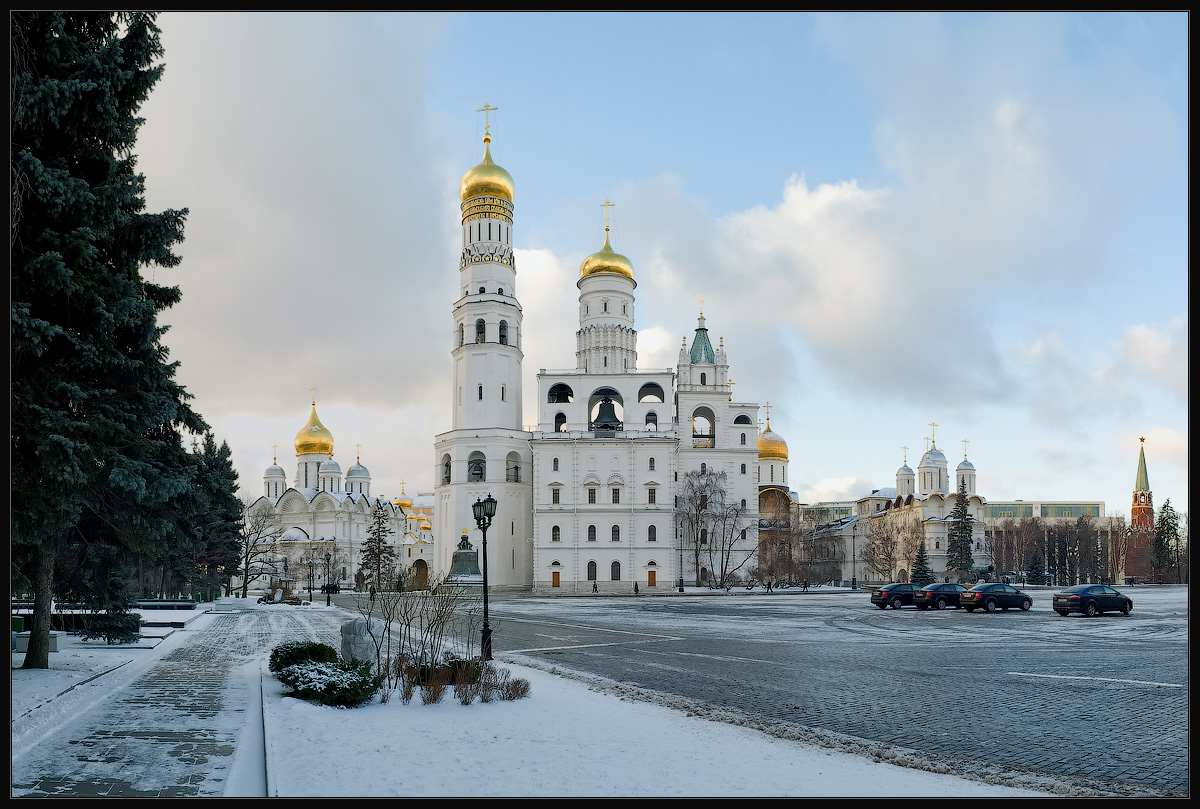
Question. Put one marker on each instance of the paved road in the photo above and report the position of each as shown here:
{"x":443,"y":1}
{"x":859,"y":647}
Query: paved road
{"x":1010,"y":690}
{"x":173,"y":731}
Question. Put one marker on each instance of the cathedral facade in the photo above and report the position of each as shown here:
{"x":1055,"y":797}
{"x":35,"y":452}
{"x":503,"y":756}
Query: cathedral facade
{"x":588,"y":501}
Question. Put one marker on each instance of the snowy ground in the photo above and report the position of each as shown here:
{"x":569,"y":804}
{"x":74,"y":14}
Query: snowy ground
{"x":573,"y":736}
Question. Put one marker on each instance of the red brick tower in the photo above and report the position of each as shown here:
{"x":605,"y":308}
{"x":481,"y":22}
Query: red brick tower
{"x":1141,"y":522}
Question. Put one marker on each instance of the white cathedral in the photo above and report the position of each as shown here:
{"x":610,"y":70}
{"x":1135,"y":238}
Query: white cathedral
{"x":587,"y":500}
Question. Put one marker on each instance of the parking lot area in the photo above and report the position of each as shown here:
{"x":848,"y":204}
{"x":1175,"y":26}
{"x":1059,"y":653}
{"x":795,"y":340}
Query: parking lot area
{"x":1099,"y":702}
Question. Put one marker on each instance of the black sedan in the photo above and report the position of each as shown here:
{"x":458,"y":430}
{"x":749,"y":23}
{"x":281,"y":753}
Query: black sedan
{"x":991,"y":596}
{"x":1091,"y":600}
{"x":939,"y":596}
{"x":893,"y":595}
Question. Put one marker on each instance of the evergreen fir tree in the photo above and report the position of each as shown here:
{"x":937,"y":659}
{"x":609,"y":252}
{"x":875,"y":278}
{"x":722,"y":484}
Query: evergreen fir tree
{"x":1166,"y":536}
{"x":378,"y":556}
{"x":922,"y":570}
{"x":959,"y":535}
{"x":1037,"y":569}
{"x":96,"y":447}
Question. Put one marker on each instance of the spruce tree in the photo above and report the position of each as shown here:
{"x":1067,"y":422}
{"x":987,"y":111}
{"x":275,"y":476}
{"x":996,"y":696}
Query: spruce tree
{"x":378,"y":557}
{"x":960,"y":536}
{"x":96,"y":447}
{"x":1037,"y":569}
{"x":1166,"y":536}
{"x":922,"y":571}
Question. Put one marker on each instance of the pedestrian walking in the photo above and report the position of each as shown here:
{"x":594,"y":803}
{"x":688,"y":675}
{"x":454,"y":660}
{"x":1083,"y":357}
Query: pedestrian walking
{"x":595,"y":589}
{"x":635,"y":590}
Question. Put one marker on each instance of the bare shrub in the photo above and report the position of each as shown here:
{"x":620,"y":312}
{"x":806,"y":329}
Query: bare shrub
{"x":466,"y":692}
{"x":516,"y":688}
{"x":406,"y":676}
{"x":434,"y":687}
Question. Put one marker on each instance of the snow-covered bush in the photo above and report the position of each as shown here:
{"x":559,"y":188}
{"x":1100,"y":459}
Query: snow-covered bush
{"x":294,"y":652}
{"x":341,"y":684}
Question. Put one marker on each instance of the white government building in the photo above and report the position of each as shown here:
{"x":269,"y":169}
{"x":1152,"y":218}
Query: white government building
{"x":587,"y":498}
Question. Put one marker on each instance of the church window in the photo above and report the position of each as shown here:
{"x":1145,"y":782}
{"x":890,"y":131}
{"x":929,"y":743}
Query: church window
{"x":743,"y":469}
{"x":480,"y":329}
{"x":616,"y":533}
{"x":560,"y":423}
{"x":616,"y":571}
{"x":652,"y":423}
{"x":651,"y":464}
{"x":555,"y":465}
{"x":591,"y":495}
{"x":512,"y":468}
{"x":461,"y":335}
{"x":785,"y":474}
{"x":743,"y":533}
{"x":503,"y":388}
{"x":704,"y":469}
{"x":591,"y":571}
{"x":606,"y":361}
{"x":556,"y":534}
{"x":481,"y":290}
{"x":703,"y":502}
{"x":591,"y":533}
{"x":624,"y":309}
{"x":703,"y":536}
{"x":504,"y":332}
{"x":652,"y":534}
{"x":937,"y":545}
{"x":555,"y":496}
{"x":616,"y":495}
{"x":481,"y":393}
{"x":703,"y":379}
{"x":606,"y":306}
{"x":743,"y":502}
{"x":499,"y":290}
{"x":489,"y":231}
{"x":743,"y":439}
{"x":652,"y":496}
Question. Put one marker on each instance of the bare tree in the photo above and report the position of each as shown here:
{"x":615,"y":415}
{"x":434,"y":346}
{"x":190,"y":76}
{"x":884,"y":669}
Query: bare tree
{"x":257,"y":544}
{"x":701,"y":496}
{"x":881,"y":550}
{"x":729,"y":548}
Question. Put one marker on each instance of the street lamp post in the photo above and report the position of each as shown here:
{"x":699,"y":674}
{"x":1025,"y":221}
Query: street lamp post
{"x":681,"y":561}
{"x":853,"y":555}
{"x":484,"y":510}
{"x":328,"y":559}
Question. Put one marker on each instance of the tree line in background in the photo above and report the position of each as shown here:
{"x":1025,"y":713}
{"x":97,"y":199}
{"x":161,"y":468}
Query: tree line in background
{"x":118,"y":488}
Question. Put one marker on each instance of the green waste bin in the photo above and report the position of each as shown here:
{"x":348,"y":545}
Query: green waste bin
{"x":18,"y":623}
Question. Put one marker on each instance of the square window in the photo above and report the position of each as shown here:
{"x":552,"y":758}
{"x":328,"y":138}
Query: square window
{"x":616,"y":495}
{"x":554,"y":496}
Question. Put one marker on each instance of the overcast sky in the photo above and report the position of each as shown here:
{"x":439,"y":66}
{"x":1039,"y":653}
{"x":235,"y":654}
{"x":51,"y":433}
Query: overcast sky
{"x":978,"y":221}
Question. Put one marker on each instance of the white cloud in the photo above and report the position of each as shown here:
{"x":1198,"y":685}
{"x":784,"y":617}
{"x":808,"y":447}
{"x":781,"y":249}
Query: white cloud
{"x":1158,"y":355}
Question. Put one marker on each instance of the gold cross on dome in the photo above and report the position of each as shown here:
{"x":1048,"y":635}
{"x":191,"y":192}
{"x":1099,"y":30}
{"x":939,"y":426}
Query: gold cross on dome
{"x":964,"y":448}
{"x":486,"y":109}
{"x":933,"y":432}
{"x":905,"y":455}
{"x":702,"y":307}
{"x":274,"y":453}
{"x":357,"y":453}
{"x":607,"y":205}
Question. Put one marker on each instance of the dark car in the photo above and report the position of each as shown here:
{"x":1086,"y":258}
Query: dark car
{"x":939,"y":596}
{"x":1091,"y":600}
{"x":991,"y":596}
{"x":894,"y":595}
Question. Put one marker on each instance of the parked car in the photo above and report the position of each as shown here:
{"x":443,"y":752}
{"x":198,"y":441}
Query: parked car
{"x":939,"y":596}
{"x":991,"y":596}
{"x":894,"y":595}
{"x":1091,"y":600}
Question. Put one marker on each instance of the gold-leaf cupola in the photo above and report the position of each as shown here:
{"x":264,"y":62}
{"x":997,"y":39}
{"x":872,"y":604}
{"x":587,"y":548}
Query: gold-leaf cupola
{"x":314,"y":437}
{"x":771,"y":446}
{"x":487,"y":179}
{"x":607,"y":260}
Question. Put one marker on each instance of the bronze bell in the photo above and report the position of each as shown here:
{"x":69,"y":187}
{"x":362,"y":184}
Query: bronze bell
{"x":606,"y":418}
{"x":464,"y":567}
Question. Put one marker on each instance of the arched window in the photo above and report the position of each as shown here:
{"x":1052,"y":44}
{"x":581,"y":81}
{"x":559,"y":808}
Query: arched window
{"x":743,"y":502}
{"x":481,"y":393}
{"x":616,"y":571}
{"x":652,"y":533}
{"x":476,"y":467}
{"x":703,"y":379}
{"x":504,"y":338}
{"x":480,"y":329}
{"x":652,"y":422}
{"x":512,"y":468}
{"x":445,"y":469}
{"x":704,"y":469}
{"x":743,"y":434}
{"x":743,"y":469}
{"x":742,"y":419}
{"x":703,"y":536}
{"x":591,"y":533}
{"x":499,"y":290}
{"x":651,"y":464}
{"x":560,"y":422}
{"x":555,"y":534}
{"x":461,"y":330}
{"x":616,"y":533}
{"x":591,"y":571}
{"x":555,"y":465}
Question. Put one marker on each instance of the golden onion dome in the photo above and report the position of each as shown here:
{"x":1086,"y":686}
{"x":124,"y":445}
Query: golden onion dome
{"x":403,"y":502}
{"x":425,"y":526}
{"x":313,"y":437}
{"x":487,"y":179}
{"x":771,"y":446}
{"x":606,"y":261}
